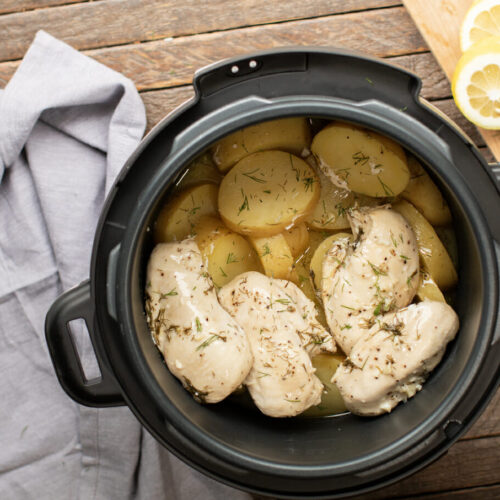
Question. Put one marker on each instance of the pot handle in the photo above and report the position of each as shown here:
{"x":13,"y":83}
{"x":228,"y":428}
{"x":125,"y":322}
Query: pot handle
{"x":99,"y":392}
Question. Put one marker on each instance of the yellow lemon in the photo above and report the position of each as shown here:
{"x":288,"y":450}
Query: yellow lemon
{"x":476,"y":83}
{"x":481,"y":21}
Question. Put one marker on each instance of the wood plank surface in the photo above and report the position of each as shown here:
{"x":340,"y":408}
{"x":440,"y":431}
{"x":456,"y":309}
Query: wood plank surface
{"x":468,"y":464}
{"x":165,"y":63}
{"x":113,"y":22}
{"x":440,"y":24}
{"x":160,"y":43}
{"x":9,"y":6}
{"x":483,"y":493}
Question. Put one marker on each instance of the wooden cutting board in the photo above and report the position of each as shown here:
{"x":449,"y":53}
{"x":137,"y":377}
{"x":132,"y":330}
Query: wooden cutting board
{"x":439,"y":22}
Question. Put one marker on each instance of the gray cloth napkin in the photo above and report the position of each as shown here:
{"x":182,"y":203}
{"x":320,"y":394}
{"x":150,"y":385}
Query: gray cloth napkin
{"x":67,"y":125}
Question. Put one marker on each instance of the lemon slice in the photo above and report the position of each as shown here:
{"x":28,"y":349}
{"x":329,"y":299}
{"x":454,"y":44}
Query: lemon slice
{"x":476,"y":83}
{"x":481,"y":21}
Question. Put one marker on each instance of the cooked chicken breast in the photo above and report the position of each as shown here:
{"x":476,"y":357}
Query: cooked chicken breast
{"x":376,"y":274}
{"x":202,"y":345}
{"x":391,"y":362}
{"x":281,"y":324}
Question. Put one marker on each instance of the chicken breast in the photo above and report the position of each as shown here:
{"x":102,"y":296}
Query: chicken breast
{"x":281,"y":324}
{"x":375,"y":274}
{"x":392,"y":361}
{"x":202,"y":345}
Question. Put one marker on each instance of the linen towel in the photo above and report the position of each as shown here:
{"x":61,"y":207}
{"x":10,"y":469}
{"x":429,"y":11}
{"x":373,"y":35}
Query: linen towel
{"x":67,"y":125}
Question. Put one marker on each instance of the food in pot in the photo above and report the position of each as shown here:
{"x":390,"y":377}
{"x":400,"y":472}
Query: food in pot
{"x":267,"y":192}
{"x":275,"y":255}
{"x":391,"y":362}
{"x":177,"y":219}
{"x":283,"y":332}
{"x":292,"y":135}
{"x":424,"y":195}
{"x":330,"y":212}
{"x":435,"y":259}
{"x":316,"y":265}
{"x":279,"y":272}
{"x":202,"y":345}
{"x":360,"y":160}
{"x":226,"y":254}
{"x":376,"y":274}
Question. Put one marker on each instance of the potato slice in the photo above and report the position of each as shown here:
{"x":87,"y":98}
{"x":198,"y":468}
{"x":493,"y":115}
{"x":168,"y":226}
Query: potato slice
{"x":433,"y":255}
{"x":425,"y":195}
{"x":267,"y":192}
{"x":275,"y":255}
{"x":449,"y":240}
{"x":179,"y":216}
{"x":331,"y":401}
{"x":360,"y":160}
{"x":297,"y":238}
{"x":201,"y":170}
{"x":319,"y":255}
{"x":428,"y":290}
{"x":288,"y":134}
{"x":228,"y":255}
{"x":207,"y":230}
{"x":330,"y":213}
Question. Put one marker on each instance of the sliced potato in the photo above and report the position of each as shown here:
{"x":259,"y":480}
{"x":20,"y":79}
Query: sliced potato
{"x":330,"y":213}
{"x":433,"y":255}
{"x":449,"y":240}
{"x":331,"y":401}
{"x":297,"y":238}
{"x":428,"y":290}
{"x":361,"y":161}
{"x":227,"y":256}
{"x":178,"y":217}
{"x":288,"y":134}
{"x":208,"y":229}
{"x":201,"y":170}
{"x":319,"y":256}
{"x":275,"y":255}
{"x":267,"y":192}
{"x":425,"y":195}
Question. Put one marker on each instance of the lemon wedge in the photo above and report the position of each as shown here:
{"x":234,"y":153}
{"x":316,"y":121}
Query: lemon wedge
{"x":481,"y":21}
{"x":476,"y":83}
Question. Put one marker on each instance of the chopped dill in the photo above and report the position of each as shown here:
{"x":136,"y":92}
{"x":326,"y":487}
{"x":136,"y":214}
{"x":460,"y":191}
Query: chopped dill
{"x":283,"y":301}
{"x":387,"y":190}
{"x":377,"y":270}
{"x":347,"y":326}
{"x":169,"y":294}
{"x":231,"y":258}
{"x":267,"y":250}
{"x":369,"y":80}
{"x":244,"y":205}
{"x":256,"y":179}
{"x":347,"y":307}
{"x":308,"y":183}
{"x":208,"y":341}
{"x":222,"y":272}
{"x":198,"y":324}
{"x":360,"y":158}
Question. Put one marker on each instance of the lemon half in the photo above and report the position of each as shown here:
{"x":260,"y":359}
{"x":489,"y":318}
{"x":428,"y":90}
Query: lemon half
{"x":481,"y":21}
{"x":476,"y":83}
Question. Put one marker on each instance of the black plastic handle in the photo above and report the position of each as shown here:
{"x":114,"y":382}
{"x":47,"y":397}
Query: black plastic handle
{"x":75,"y":304}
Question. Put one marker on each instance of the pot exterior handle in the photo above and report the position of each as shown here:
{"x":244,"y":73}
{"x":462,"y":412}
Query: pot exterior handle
{"x":77,"y":304}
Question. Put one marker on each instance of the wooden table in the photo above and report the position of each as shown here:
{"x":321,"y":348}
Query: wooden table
{"x":160,"y":43}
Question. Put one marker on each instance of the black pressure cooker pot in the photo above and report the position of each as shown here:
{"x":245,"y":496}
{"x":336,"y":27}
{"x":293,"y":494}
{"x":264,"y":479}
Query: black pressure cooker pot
{"x":296,"y":457}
